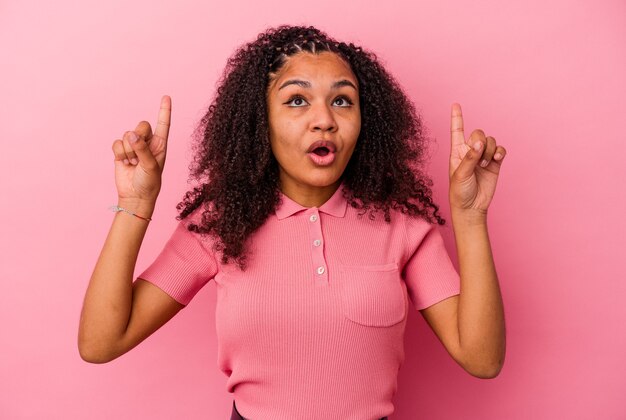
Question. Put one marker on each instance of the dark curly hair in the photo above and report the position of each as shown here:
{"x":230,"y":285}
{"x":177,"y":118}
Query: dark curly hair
{"x":237,"y":174}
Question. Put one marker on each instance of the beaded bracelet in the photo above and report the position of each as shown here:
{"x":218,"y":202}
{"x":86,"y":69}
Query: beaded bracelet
{"x":118,"y":208}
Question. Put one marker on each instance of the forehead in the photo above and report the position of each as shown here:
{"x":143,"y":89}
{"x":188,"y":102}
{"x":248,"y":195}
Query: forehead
{"x":325,"y":65}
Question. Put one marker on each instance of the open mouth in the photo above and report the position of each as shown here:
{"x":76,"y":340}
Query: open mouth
{"x":321,"y":151}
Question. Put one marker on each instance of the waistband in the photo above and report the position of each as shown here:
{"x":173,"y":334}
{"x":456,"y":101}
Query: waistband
{"x":236,"y":416}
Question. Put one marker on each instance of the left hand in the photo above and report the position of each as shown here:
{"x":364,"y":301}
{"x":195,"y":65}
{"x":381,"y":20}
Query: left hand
{"x":472,"y":181}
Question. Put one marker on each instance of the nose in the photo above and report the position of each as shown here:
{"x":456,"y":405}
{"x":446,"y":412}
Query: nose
{"x":323,"y":118}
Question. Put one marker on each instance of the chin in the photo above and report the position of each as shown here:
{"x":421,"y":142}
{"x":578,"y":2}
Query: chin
{"x":307,"y":174}
{"x":320,"y":181}
{"x":325,"y":179}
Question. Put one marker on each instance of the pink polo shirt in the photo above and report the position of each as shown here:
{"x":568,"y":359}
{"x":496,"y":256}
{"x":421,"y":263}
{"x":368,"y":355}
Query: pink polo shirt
{"x":314,"y":327}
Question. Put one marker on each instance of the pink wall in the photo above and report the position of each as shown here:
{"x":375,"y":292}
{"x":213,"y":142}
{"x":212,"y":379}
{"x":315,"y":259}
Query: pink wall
{"x":546,"y":79}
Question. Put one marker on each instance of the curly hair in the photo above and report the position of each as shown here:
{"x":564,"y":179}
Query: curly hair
{"x":237,"y":174}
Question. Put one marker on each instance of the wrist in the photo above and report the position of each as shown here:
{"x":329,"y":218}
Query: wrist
{"x":468,"y":217}
{"x":143,"y":208}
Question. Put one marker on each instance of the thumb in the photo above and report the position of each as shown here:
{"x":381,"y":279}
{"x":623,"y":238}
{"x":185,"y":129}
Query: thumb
{"x":469,"y":162}
{"x":139,"y":145}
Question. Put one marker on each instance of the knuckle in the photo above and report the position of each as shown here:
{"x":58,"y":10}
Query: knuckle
{"x":128,"y":150}
{"x":118,"y":149}
{"x":143,"y":129}
{"x":140,"y":144}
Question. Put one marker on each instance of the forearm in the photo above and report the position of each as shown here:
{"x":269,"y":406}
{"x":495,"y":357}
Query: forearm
{"x":108,"y":299}
{"x":480,"y":309}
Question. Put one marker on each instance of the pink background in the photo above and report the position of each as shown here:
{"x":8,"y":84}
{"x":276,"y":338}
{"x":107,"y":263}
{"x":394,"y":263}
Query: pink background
{"x":546,"y":79}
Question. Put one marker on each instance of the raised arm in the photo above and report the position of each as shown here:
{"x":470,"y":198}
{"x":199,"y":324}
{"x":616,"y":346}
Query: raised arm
{"x":471,"y":325}
{"x":117,"y":314}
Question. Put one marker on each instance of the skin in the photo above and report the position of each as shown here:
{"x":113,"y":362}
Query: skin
{"x":118,"y":314}
{"x":470,"y":325}
{"x":300,"y":115}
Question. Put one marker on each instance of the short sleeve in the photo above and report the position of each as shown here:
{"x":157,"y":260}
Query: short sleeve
{"x":428,"y":273}
{"x":184,"y":266}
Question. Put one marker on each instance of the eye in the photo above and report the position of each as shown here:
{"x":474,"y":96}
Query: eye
{"x":346,"y":100}
{"x":297,"y":100}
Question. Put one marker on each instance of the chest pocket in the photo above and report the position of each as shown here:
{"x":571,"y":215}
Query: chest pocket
{"x":372,"y":295}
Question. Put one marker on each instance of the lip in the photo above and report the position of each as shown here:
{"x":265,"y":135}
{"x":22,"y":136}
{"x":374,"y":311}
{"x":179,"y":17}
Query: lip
{"x":323,"y":143}
{"x":322,"y":160}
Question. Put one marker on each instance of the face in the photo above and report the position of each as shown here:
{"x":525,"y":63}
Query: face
{"x":313,"y":97}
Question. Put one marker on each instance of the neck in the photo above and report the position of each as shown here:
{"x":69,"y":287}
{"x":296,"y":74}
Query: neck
{"x":308,"y":195}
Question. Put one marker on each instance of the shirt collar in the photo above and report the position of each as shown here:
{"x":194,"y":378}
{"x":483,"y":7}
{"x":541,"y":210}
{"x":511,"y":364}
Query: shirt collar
{"x":335,"y":205}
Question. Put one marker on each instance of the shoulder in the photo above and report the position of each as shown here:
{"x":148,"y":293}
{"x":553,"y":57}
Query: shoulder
{"x":411,"y":228}
{"x":417,"y":224}
{"x":187,"y":230}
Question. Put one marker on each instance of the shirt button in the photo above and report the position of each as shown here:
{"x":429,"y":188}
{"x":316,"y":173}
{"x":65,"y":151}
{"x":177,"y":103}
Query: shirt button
{"x":313,"y":217}
{"x":320,"y":270}
{"x":317,"y":242}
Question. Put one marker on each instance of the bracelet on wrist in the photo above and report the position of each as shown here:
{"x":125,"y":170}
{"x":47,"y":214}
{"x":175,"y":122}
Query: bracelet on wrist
{"x":118,"y":208}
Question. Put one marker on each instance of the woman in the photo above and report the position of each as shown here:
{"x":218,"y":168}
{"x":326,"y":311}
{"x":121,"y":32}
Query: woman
{"x":305,"y":136}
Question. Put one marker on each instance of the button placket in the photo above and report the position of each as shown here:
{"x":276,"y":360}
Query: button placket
{"x":319,"y":269}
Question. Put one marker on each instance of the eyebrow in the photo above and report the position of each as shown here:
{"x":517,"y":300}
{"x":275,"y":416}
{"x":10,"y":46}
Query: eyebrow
{"x":305,"y":84}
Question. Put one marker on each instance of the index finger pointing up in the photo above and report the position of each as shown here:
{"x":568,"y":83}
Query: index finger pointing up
{"x":165,"y":113}
{"x":456,"y":126}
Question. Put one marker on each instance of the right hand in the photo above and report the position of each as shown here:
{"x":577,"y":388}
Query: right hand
{"x":139,"y":163}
